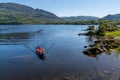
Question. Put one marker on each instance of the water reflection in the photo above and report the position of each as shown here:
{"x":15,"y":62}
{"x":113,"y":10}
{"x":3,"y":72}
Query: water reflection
{"x":92,"y":55}
{"x":21,"y":38}
{"x":91,"y":39}
{"x":17,"y":37}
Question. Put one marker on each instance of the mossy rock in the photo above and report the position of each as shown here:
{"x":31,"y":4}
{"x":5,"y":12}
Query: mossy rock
{"x":93,"y":51}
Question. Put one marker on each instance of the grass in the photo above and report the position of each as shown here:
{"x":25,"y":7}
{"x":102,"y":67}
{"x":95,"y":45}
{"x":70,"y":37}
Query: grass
{"x":113,"y":34}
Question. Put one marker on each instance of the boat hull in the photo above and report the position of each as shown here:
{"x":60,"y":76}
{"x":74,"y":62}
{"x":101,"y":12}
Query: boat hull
{"x":41,"y":56}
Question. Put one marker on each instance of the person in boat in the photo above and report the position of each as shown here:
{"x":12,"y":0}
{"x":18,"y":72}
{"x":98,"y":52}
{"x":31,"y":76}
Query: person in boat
{"x":40,"y":50}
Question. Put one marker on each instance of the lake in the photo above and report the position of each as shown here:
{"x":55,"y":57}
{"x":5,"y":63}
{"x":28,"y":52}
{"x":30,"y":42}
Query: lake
{"x":64,"y":59}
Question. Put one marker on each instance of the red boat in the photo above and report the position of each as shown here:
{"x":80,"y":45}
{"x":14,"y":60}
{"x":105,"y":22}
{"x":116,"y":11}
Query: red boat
{"x":40,"y":52}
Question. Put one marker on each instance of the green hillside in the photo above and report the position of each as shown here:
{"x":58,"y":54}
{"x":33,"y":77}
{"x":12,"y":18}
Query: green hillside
{"x":80,"y":18}
{"x":12,"y":13}
{"x":112,"y":17}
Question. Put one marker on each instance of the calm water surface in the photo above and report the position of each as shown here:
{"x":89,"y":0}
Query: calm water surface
{"x":64,"y":58}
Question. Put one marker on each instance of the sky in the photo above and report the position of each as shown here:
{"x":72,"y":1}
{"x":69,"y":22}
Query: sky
{"x":67,"y":8}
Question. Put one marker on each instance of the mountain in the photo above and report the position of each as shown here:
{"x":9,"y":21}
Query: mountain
{"x":80,"y":18}
{"x":12,"y":13}
{"x":112,"y":17}
{"x":90,"y":18}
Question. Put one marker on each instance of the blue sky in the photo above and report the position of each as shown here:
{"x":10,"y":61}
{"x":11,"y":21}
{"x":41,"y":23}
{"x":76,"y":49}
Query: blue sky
{"x":98,"y":8}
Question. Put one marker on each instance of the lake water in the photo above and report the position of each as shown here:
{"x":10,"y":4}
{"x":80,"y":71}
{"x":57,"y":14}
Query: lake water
{"x":64,"y":58}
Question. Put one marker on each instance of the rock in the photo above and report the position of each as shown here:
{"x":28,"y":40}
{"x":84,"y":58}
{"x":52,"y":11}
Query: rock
{"x":92,"y":51}
{"x":101,"y":74}
{"x":111,"y":37}
{"x":91,"y":45}
{"x":115,"y":45}
{"x":112,"y":50}
{"x":113,"y":69}
{"x":100,"y":50}
{"x":103,"y":48}
{"x":80,"y":34}
{"x":86,"y":51}
{"x":99,"y":78}
{"x":96,"y":42}
{"x":85,"y":46}
{"x":66,"y":78}
{"x":107,"y":72}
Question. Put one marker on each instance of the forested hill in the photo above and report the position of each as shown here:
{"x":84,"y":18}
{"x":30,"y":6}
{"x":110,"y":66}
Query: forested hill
{"x":80,"y":18}
{"x":90,"y":18}
{"x":12,"y":13}
{"x":112,"y":17}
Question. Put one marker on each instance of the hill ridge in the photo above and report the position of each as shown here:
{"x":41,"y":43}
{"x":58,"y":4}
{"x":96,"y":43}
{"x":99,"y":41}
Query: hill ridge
{"x":22,"y":14}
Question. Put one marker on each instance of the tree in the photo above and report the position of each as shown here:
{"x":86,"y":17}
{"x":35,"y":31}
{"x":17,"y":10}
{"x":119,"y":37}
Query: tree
{"x":106,"y":26}
{"x":91,"y":28}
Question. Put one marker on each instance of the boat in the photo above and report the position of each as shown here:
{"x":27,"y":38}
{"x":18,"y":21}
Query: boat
{"x":40,"y":52}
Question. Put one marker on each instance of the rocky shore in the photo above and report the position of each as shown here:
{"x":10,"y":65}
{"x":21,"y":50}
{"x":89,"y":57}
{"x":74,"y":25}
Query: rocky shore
{"x":103,"y":45}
